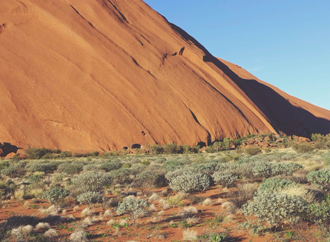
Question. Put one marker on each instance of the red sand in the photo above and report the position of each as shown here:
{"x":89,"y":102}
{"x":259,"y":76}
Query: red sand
{"x":98,"y":75}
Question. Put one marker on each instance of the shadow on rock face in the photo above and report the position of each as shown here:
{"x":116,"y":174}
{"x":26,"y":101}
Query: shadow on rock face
{"x":7,"y":148}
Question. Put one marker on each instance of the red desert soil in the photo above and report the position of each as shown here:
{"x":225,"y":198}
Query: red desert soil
{"x":147,"y":225}
{"x":101,"y":74}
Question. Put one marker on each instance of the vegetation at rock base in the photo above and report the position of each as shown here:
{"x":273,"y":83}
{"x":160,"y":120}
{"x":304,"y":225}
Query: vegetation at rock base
{"x":275,"y":189}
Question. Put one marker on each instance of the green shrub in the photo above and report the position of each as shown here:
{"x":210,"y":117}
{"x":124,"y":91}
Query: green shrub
{"x":13,"y":171}
{"x":171,"y":148}
{"x":58,"y":178}
{"x":224,"y":179}
{"x":55,"y":194}
{"x":262,"y":169}
{"x":209,"y":149}
{"x":303,"y":147}
{"x":190,"y":182}
{"x":283,"y":169}
{"x":319,"y":212}
{"x":92,"y":168}
{"x":135,"y":207}
{"x":95,"y":153}
{"x":70,"y":168}
{"x":38,"y":153}
{"x":157,"y":149}
{"x":89,"y":198}
{"x":147,"y":179}
{"x":217,"y":146}
{"x":272,"y":185}
{"x":7,"y":188}
{"x":64,"y":154}
{"x":274,"y":209}
{"x":91,"y":182}
{"x":122,"y":176}
{"x":3,"y":164}
{"x":266,"y":169}
{"x":35,"y":178}
{"x":321,"y":178}
{"x":207,"y":168}
{"x":43,"y":167}
{"x":252,"y":150}
{"x":172,"y":165}
{"x":112,"y":165}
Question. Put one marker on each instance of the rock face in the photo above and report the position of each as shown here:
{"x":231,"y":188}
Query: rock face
{"x":101,"y":74}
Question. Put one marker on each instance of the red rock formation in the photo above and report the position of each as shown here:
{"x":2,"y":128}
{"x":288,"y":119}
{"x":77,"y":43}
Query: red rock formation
{"x":99,"y":74}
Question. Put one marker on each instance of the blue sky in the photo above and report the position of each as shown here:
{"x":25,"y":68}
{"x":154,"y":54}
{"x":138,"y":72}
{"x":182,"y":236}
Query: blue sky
{"x":283,"y":42}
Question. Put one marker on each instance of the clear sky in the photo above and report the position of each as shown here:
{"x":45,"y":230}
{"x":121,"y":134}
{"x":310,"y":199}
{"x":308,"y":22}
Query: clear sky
{"x":283,"y":42}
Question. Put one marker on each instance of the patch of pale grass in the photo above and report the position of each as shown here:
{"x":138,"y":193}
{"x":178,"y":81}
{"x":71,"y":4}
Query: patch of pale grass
{"x":186,"y":211}
{"x":108,"y":213}
{"x":27,"y":229}
{"x":122,"y":222}
{"x":110,"y":222}
{"x":176,"y":200}
{"x":117,"y":232}
{"x":154,"y":197}
{"x":19,"y":194}
{"x":207,"y":202}
{"x":88,"y":221}
{"x":164,"y":204}
{"x":228,"y":219}
{"x":300,"y":191}
{"x":17,"y":233}
{"x":75,"y":208}
{"x":190,"y":210}
{"x":152,"y":208}
{"x":229,"y":207}
{"x":78,"y":236}
{"x":26,"y":204}
{"x":161,"y":213}
{"x":87,"y":212}
{"x":42,"y":226}
{"x":52,"y":210}
{"x":192,"y":221}
{"x":189,"y":235}
{"x":245,"y":192}
{"x":51,"y":233}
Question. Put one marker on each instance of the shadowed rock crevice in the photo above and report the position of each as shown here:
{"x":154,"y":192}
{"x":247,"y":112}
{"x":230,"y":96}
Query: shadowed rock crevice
{"x":208,"y":139}
{"x":7,"y":148}
{"x":282,"y":115}
{"x":121,"y":17}
{"x":82,"y":16}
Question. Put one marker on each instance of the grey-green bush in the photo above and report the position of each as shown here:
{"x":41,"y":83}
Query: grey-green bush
{"x":275,"y":208}
{"x":272,"y":185}
{"x":122,"y":176}
{"x":44,"y":167}
{"x":55,"y":193}
{"x":91,"y":182}
{"x":135,"y":207}
{"x":13,"y":171}
{"x":321,"y":178}
{"x":224,"y":179}
{"x":89,"y":198}
{"x":70,"y":168}
{"x":190,"y":182}
{"x":262,"y":169}
{"x":112,"y":165}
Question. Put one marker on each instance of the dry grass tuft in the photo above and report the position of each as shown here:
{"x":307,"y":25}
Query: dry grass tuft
{"x":189,"y":235}
{"x":207,"y":202}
